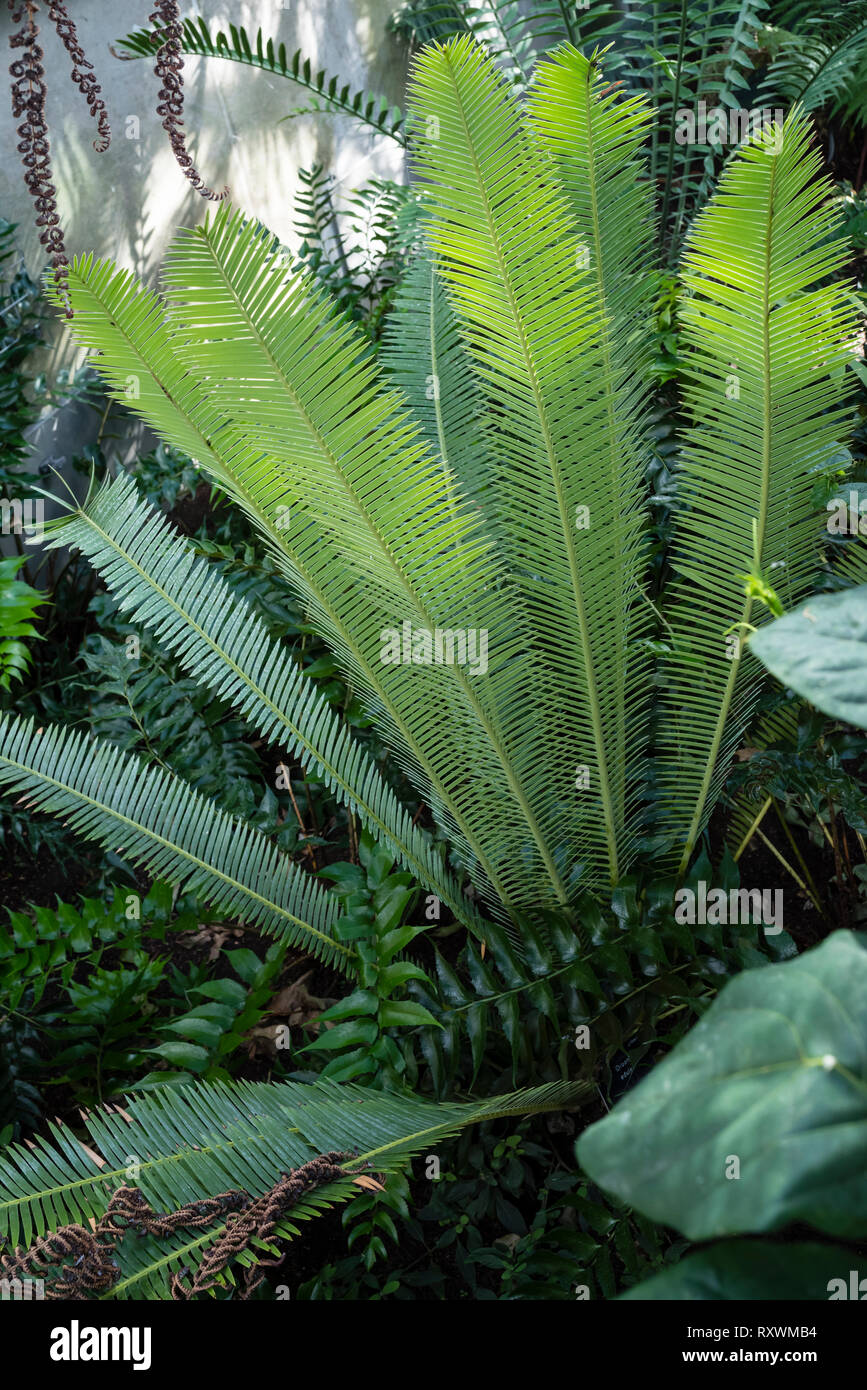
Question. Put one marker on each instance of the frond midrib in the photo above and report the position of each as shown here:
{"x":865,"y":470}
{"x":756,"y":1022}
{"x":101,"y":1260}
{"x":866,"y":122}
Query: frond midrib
{"x":456,"y":672}
{"x":530,"y":367}
{"x":764,"y":499}
{"x":182,"y":853}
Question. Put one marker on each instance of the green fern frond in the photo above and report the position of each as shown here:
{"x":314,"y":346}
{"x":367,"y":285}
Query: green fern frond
{"x":287,"y":361}
{"x":424,"y":356}
{"x":516,"y":35}
{"x":823,"y":64}
{"x":764,"y":385}
{"x":138,"y":347}
{"x":357,"y":250}
{"x":511,"y":257}
{"x":425,"y":21}
{"x":158,"y":820}
{"x":328,"y":93}
{"x":678,"y":54}
{"x":852,"y":568}
{"x":179,"y":1145}
{"x":157,"y":577}
{"x":596,"y":136}
{"x":373,"y":505}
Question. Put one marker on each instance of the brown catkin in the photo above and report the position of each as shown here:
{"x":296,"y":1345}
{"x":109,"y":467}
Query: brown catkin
{"x":168,"y":66}
{"x":28,"y":107}
{"x":86,"y":1258}
{"x":28,"y":101}
{"x":82,"y":73}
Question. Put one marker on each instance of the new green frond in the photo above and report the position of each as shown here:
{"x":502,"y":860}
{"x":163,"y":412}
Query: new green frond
{"x":567,"y":508}
{"x":767,"y":343}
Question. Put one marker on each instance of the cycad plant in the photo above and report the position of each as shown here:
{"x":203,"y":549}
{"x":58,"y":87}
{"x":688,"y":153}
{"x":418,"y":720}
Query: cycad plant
{"x":467,"y":525}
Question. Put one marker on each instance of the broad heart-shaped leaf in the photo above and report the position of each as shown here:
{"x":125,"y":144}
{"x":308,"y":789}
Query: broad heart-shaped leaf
{"x":820,"y":651}
{"x":756,"y":1270}
{"x":775,"y":1076}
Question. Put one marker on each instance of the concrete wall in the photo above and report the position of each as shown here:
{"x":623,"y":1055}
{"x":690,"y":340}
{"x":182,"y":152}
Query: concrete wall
{"x":127,"y":202}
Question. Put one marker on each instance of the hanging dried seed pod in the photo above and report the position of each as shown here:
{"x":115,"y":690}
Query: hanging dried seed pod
{"x":82,"y":72}
{"x":28,"y":101}
{"x":168,"y":67}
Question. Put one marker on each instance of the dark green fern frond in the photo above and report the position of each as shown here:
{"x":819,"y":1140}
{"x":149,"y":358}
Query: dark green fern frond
{"x":181,"y":1145}
{"x":157,"y":820}
{"x":157,"y":578}
{"x":823,"y":64}
{"x":424,"y":355}
{"x":429,"y":21}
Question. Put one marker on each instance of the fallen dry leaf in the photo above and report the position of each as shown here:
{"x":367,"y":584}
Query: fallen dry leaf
{"x":212,"y":936}
{"x":369,"y":1184}
{"x":298,"y":1006}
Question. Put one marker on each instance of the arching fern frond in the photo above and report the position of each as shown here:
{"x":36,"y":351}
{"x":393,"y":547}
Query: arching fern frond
{"x":824,"y":64}
{"x":511,"y":257}
{"x":157,"y":577}
{"x":120,"y":801}
{"x":180,"y":1145}
{"x":764,"y":385}
{"x":429,"y":21}
{"x":378,"y":519}
{"x":328,"y":93}
{"x":139,"y":357}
